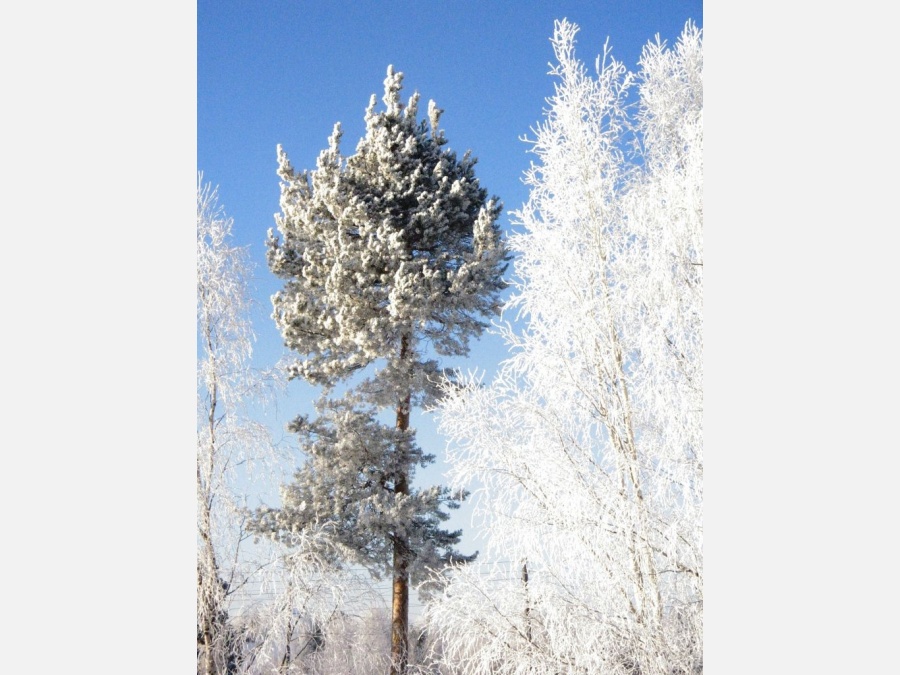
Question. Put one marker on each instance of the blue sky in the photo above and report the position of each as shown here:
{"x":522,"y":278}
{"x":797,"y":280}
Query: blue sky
{"x":285,"y":72}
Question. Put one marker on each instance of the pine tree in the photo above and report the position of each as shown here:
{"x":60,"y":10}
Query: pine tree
{"x":390,"y":257}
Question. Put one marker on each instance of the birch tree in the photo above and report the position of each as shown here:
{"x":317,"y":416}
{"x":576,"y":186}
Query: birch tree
{"x":234,"y":454}
{"x":391,"y":258}
{"x":224,"y":438}
{"x":588,"y":443}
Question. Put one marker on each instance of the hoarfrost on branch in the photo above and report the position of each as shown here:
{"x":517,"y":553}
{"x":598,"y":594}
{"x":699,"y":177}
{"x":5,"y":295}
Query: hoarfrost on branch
{"x":588,"y":443}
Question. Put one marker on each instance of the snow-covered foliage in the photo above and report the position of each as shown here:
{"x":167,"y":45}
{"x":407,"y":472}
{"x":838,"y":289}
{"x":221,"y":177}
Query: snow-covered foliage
{"x":588,"y":444}
{"x":390,"y":257}
{"x":397,"y":240}
{"x":346,"y":641}
{"x":354,"y":458}
{"x":293,"y":614}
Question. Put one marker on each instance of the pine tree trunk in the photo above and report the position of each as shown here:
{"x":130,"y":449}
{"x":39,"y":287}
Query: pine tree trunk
{"x":400,"y":600}
{"x":400,"y":613}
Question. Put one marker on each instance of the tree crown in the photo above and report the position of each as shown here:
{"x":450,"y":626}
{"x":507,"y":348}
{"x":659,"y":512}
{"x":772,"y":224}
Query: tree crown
{"x":398,"y":239}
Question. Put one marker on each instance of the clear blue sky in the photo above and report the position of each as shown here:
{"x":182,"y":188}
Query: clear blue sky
{"x":285,"y":72}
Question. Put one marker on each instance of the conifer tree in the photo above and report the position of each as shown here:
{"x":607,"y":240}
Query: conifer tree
{"x":391,"y":257}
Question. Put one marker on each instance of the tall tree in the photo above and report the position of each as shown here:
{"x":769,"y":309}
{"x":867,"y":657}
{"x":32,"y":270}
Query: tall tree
{"x":589,"y":441}
{"x":234,"y":452}
{"x":224,"y":438}
{"x":388,"y":255}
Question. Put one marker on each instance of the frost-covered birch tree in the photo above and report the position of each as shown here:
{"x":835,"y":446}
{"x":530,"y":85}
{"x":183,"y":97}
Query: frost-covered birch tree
{"x":588,"y":444}
{"x":225,"y":437}
{"x":234,"y":453}
{"x":391,"y":258}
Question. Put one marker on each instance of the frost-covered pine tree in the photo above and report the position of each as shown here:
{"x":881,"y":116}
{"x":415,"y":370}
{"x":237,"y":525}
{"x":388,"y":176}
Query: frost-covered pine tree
{"x":391,"y":257}
{"x":589,"y":443}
